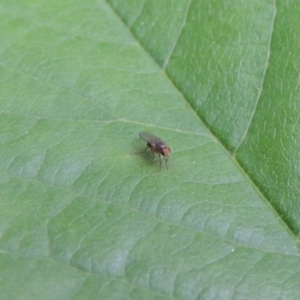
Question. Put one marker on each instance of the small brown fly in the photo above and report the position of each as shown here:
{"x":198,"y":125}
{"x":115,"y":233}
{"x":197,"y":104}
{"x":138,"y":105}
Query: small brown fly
{"x":156,"y":145}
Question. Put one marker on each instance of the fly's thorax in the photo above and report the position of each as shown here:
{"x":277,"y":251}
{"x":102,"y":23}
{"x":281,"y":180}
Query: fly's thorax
{"x":160,"y":148}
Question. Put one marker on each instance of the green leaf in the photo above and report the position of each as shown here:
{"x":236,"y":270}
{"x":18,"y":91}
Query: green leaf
{"x":85,"y":213}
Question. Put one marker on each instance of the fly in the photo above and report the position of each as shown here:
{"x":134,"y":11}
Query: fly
{"x":156,"y":145}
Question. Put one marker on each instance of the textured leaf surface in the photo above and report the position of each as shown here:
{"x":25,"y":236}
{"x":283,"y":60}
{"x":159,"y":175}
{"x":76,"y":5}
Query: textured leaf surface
{"x":85,"y":214}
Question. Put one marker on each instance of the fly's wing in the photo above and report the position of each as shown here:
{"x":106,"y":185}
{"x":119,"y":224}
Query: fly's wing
{"x":149,"y":138}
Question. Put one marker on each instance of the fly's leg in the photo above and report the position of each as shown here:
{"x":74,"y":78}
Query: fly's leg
{"x":144,"y":151}
{"x":159,"y":161}
{"x":152,"y":154}
{"x":166,"y":161}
